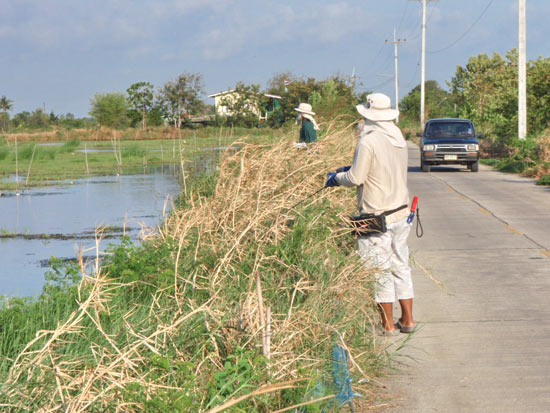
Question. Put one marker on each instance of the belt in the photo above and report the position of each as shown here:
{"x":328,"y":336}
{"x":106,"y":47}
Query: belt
{"x":393,"y":211}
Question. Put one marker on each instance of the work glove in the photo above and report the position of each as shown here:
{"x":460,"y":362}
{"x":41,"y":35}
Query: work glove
{"x":343,"y":169}
{"x":331,"y":181}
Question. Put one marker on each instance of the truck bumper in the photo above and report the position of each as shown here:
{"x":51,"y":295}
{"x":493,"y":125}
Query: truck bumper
{"x":441,"y":158}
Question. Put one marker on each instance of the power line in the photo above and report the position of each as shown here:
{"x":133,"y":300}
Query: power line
{"x":403,"y":16}
{"x":418,"y":27}
{"x":466,"y":32}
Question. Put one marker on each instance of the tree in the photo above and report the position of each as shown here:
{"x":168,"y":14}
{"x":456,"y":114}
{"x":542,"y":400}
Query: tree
{"x":110,"y":109}
{"x":328,"y":97}
{"x":244,"y":104}
{"x":182,"y":96}
{"x":140,"y":97}
{"x":439,"y":103}
{"x":6,"y":104}
{"x":38,"y":119}
{"x":486,"y":91}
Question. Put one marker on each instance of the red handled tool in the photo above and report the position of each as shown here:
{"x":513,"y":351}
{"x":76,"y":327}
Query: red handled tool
{"x":416,"y":210}
{"x":413,"y":210}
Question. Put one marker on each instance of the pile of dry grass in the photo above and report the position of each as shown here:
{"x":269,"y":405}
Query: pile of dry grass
{"x":248,"y":296}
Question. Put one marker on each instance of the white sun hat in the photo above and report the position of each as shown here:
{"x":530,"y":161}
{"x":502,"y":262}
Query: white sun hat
{"x":377,"y":108}
{"x":305,"y":109}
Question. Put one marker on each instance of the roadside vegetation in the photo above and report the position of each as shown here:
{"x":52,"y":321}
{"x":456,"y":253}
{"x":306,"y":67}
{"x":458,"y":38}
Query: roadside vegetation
{"x":240,"y":299}
{"x":237,"y":303}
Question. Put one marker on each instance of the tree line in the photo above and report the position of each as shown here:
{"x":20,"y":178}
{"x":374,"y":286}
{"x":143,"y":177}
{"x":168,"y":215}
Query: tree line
{"x":175,"y":101}
{"x":485,"y":90}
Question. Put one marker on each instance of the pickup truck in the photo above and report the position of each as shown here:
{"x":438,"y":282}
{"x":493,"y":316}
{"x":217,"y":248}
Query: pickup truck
{"x":448,"y":141}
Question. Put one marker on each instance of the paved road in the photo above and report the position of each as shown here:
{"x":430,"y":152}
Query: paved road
{"x":484,"y":338}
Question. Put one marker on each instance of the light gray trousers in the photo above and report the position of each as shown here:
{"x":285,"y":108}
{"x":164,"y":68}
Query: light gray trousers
{"x":388,"y":253}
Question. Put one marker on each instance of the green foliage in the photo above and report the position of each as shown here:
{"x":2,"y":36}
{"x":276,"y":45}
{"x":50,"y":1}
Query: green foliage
{"x":4,"y":121}
{"x":3,"y":153}
{"x":110,"y":109}
{"x":71,"y":145}
{"x":134,"y":150}
{"x":328,"y":97}
{"x":485,"y":91}
{"x":242,"y":372}
{"x":244,"y":105}
{"x":140,"y":96}
{"x":439,"y":103}
{"x":25,"y":152}
{"x":21,"y":318}
{"x":517,"y":156}
{"x":5,"y":104}
{"x":544,"y":180}
{"x":180,"y":97}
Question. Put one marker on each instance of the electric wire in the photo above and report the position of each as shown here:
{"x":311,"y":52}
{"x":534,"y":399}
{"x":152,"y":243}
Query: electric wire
{"x":465,"y":33}
{"x":403,"y":16}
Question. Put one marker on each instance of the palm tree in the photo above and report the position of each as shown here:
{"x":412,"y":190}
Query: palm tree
{"x":5,"y":104}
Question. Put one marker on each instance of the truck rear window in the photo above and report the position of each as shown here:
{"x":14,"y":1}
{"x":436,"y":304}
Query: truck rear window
{"x":449,"y":129}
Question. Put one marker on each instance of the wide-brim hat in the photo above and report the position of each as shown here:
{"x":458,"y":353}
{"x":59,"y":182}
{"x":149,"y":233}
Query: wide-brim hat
{"x":377,"y":108}
{"x":305,"y":108}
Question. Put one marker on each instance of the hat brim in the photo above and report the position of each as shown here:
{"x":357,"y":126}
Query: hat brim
{"x":377,"y":114}
{"x":306,"y":112}
{"x":307,"y":116}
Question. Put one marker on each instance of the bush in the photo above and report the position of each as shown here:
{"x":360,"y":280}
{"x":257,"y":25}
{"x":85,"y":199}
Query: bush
{"x":544,"y":180}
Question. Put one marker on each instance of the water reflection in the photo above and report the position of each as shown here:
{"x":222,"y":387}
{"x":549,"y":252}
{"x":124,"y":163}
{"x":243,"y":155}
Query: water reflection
{"x":78,"y":208}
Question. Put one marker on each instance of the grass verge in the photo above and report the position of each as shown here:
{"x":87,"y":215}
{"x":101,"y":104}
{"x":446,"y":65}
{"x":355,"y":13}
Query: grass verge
{"x":235,"y":305}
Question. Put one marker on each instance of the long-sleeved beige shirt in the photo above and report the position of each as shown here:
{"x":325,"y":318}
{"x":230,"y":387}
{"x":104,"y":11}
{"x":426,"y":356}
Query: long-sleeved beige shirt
{"x":379,"y":170}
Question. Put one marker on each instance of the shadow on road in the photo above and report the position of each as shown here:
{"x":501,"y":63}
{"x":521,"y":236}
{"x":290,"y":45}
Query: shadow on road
{"x":439,"y":169}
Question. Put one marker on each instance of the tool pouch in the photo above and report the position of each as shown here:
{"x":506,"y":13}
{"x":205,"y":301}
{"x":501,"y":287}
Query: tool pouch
{"x":368,"y":224}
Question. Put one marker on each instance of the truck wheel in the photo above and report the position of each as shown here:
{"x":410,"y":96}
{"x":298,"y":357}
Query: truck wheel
{"x":424,"y":166}
{"x":475,"y":166}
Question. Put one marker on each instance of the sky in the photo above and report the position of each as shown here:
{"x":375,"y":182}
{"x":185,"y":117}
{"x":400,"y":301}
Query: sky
{"x":57,"y":54}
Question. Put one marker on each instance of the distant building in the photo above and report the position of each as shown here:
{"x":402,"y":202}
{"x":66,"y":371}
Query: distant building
{"x":222,"y":110}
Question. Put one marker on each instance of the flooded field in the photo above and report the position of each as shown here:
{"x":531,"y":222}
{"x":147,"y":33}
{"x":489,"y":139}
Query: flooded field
{"x":61,"y":221}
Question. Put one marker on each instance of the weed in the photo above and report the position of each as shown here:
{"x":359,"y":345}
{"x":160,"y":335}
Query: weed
{"x":71,"y":145}
{"x":133,"y":150}
{"x":236,"y":303}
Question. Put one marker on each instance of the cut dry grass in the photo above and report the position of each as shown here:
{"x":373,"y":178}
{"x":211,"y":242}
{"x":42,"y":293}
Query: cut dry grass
{"x":248,"y":272}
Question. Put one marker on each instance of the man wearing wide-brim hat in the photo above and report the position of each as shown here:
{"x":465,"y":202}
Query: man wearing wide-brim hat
{"x":309,"y":126}
{"x":379,"y":171}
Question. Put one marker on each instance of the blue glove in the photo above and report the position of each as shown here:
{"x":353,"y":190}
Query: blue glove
{"x":331,"y":181}
{"x":343,"y":169}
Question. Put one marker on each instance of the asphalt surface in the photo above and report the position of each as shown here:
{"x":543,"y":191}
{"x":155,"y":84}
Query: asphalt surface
{"x":482,"y":289}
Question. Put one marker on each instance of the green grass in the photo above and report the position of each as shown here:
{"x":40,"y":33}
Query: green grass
{"x":213,"y":355}
{"x":148,"y":269}
{"x":71,"y":164}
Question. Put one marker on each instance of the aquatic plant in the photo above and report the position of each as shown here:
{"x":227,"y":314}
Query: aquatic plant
{"x":236,"y":302}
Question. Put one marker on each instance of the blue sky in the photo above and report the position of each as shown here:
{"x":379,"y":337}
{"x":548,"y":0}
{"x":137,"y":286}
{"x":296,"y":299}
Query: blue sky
{"x":59,"y":53}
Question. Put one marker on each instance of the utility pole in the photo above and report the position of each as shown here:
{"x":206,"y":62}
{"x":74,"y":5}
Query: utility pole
{"x":423,"y":77}
{"x":396,"y":43}
{"x":522,"y":74}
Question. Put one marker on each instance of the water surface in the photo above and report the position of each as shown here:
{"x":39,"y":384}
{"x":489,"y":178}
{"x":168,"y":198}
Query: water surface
{"x":76,"y":208}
